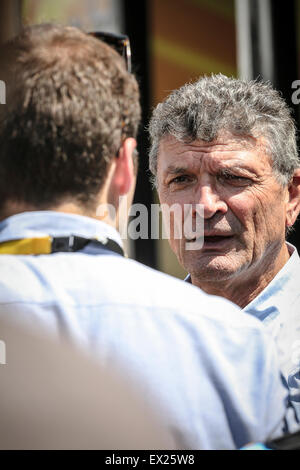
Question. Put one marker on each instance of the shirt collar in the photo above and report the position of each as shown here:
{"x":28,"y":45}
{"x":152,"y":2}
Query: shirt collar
{"x":56,"y":224}
{"x":278,"y":294}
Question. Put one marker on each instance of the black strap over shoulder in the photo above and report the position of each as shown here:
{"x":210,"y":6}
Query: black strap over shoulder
{"x":74,"y":243}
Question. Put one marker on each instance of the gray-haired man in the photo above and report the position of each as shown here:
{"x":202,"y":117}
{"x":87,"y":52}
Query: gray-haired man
{"x":229,"y":146}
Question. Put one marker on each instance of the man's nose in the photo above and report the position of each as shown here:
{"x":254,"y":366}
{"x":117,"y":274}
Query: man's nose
{"x":210,"y":201}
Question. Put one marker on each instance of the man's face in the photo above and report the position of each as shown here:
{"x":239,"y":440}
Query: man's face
{"x":244,"y":205}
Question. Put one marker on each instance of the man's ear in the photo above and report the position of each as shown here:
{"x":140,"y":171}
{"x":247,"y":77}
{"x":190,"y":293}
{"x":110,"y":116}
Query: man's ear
{"x":123,"y":178}
{"x":293,"y":204}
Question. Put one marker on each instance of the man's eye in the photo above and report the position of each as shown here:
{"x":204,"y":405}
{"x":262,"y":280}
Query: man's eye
{"x":233,"y":179}
{"x":179,"y":179}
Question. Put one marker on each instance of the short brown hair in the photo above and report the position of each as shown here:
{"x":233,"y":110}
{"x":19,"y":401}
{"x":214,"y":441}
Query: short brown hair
{"x":70,"y":103}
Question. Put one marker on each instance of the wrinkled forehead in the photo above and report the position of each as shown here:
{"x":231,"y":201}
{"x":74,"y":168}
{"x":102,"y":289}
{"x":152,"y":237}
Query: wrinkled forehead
{"x":225,"y":148}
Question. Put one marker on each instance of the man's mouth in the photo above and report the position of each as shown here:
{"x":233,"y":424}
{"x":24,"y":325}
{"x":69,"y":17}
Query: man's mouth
{"x":213,"y":240}
{"x":216,"y":241}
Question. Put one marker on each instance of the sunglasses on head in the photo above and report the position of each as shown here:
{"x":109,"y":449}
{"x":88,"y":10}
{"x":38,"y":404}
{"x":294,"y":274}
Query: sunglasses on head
{"x":119,"y":42}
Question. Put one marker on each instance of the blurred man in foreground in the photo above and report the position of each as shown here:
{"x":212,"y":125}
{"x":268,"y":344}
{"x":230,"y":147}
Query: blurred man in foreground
{"x":229,"y":146}
{"x":53,"y":396}
{"x":67,"y":141}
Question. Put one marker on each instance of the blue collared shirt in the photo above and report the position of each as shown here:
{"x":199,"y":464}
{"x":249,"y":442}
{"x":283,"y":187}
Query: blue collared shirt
{"x":211,"y":371}
{"x":278,"y":307}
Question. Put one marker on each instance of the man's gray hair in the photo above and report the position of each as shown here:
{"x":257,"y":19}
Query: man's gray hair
{"x":200,"y":110}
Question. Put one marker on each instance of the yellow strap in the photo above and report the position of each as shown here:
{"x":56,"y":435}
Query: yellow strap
{"x":27,"y":246}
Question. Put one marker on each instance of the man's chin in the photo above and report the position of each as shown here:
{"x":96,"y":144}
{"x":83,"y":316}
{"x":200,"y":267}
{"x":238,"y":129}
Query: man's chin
{"x":219,"y":268}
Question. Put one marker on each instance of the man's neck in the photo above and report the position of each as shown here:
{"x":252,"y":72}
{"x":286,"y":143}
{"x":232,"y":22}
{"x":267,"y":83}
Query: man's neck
{"x":244,"y":288}
{"x":67,"y":208}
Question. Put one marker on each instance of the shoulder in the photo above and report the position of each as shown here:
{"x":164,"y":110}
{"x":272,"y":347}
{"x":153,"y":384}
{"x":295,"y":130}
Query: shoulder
{"x":163,"y":291}
{"x":113,"y":281}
